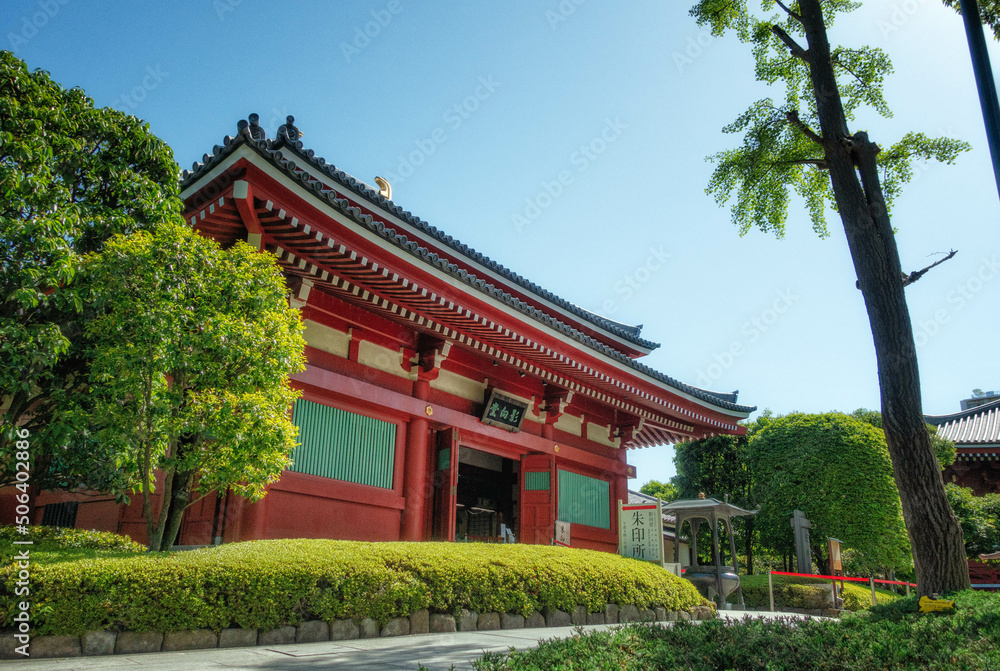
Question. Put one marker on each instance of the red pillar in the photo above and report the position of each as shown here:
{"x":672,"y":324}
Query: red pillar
{"x":415,"y":479}
{"x":619,"y":489}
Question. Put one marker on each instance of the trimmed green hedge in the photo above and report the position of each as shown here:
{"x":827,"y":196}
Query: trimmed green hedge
{"x":795,"y":592}
{"x":884,"y":637}
{"x":45,"y":539}
{"x":264,"y":584}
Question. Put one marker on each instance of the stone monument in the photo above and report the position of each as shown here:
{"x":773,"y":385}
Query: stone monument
{"x":802,"y":554}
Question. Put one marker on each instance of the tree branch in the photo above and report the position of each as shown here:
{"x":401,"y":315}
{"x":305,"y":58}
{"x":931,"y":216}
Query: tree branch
{"x":917,"y":274}
{"x":839,"y":63}
{"x":792,"y":45}
{"x":818,"y":162}
{"x":793,"y":118}
{"x":788,"y":11}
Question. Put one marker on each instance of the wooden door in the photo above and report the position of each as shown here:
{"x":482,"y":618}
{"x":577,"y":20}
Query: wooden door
{"x":538,"y":497}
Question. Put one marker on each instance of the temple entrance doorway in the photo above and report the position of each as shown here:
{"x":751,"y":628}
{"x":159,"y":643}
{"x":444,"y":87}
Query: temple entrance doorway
{"x":487,"y":497}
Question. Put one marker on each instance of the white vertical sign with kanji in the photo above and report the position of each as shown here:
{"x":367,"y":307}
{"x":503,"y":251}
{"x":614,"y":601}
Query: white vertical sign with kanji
{"x":640,"y":531}
{"x":562,"y":533}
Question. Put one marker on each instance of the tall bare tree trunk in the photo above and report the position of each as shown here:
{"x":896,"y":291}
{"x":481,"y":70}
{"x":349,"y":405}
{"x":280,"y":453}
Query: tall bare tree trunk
{"x":935,"y":535}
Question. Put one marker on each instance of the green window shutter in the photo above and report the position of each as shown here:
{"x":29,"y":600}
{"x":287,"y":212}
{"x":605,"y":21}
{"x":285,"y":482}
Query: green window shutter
{"x":343,"y":445}
{"x":584,"y":500}
{"x":537,"y":481}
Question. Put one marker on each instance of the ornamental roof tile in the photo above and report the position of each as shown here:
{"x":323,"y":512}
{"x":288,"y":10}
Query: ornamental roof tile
{"x":625,"y":331}
{"x":281,"y":154}
{"x":976,"y":426}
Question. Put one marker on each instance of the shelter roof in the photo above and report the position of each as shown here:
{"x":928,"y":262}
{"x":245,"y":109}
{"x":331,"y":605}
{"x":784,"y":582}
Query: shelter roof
{"x":706,"y":506}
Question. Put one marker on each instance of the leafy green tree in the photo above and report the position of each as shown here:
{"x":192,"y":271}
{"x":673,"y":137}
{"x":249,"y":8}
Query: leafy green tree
{"x":720,"y":466}
{"x":944,"y":449}
{"x":661,"y":490}
{"x":192,"y":349}
{"x":980,"y":519}
{"x":71,"y":176}
{"x":803,"y":145}
{"x":836,"y":469}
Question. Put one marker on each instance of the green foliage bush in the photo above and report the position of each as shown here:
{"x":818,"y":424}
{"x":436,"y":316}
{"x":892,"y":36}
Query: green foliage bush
{"x":837,"y":470}
{"x":979,"y":517}
{"x":264,"y":584}
{"x":64,"y":538}
{"x":809,"y":593}
{"x":885,"y":637}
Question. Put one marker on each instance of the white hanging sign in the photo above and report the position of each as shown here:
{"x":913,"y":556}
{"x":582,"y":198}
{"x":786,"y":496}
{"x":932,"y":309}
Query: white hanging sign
{"x":640,"y":531}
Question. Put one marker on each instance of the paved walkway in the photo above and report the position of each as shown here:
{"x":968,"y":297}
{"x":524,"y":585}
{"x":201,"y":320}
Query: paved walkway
{"x":434,"y":651}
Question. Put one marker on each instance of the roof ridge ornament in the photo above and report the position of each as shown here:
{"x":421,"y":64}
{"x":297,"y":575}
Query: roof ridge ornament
{"x":288,"y":131}
{"x":257,"y":132}
{"x":384,"y":188}
{"x":251,"y":130}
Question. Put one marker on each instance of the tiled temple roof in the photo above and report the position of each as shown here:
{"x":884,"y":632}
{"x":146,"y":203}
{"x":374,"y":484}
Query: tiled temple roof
{"x":358,"y":187}
{"x":282,"y":154}
{"x":976,"y":426}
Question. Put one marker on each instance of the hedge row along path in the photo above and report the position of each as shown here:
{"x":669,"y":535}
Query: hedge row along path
{"x":316,"y":631}
{"x":266,"y":586}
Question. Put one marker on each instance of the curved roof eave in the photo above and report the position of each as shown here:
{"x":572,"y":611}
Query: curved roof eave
{"x":626,"y":332}
{"x":270,"y":150}
{"x":938,"y":420}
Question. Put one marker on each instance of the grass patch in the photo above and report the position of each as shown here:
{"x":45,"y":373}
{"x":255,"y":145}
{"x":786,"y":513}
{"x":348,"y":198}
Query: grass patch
{"x":795,"y":592}
{"x":884,"y":637}
{"x":265,"y":584}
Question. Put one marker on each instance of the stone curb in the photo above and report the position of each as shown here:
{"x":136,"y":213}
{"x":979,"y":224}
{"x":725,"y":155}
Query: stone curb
{"x":109,"y":642}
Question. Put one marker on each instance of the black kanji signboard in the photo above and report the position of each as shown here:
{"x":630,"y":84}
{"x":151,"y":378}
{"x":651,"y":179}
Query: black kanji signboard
{"x":504,"y":411}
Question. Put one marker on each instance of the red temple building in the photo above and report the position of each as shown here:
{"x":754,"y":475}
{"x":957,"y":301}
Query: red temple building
{"x":975,"y":430}
{"x":445,"y":396}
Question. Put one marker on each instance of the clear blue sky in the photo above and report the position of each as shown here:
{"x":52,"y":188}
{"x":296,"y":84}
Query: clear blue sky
{"x":473,"y":108}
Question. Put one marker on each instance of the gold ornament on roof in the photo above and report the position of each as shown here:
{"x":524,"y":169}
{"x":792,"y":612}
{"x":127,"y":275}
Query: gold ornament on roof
{"x":384,"y":188}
